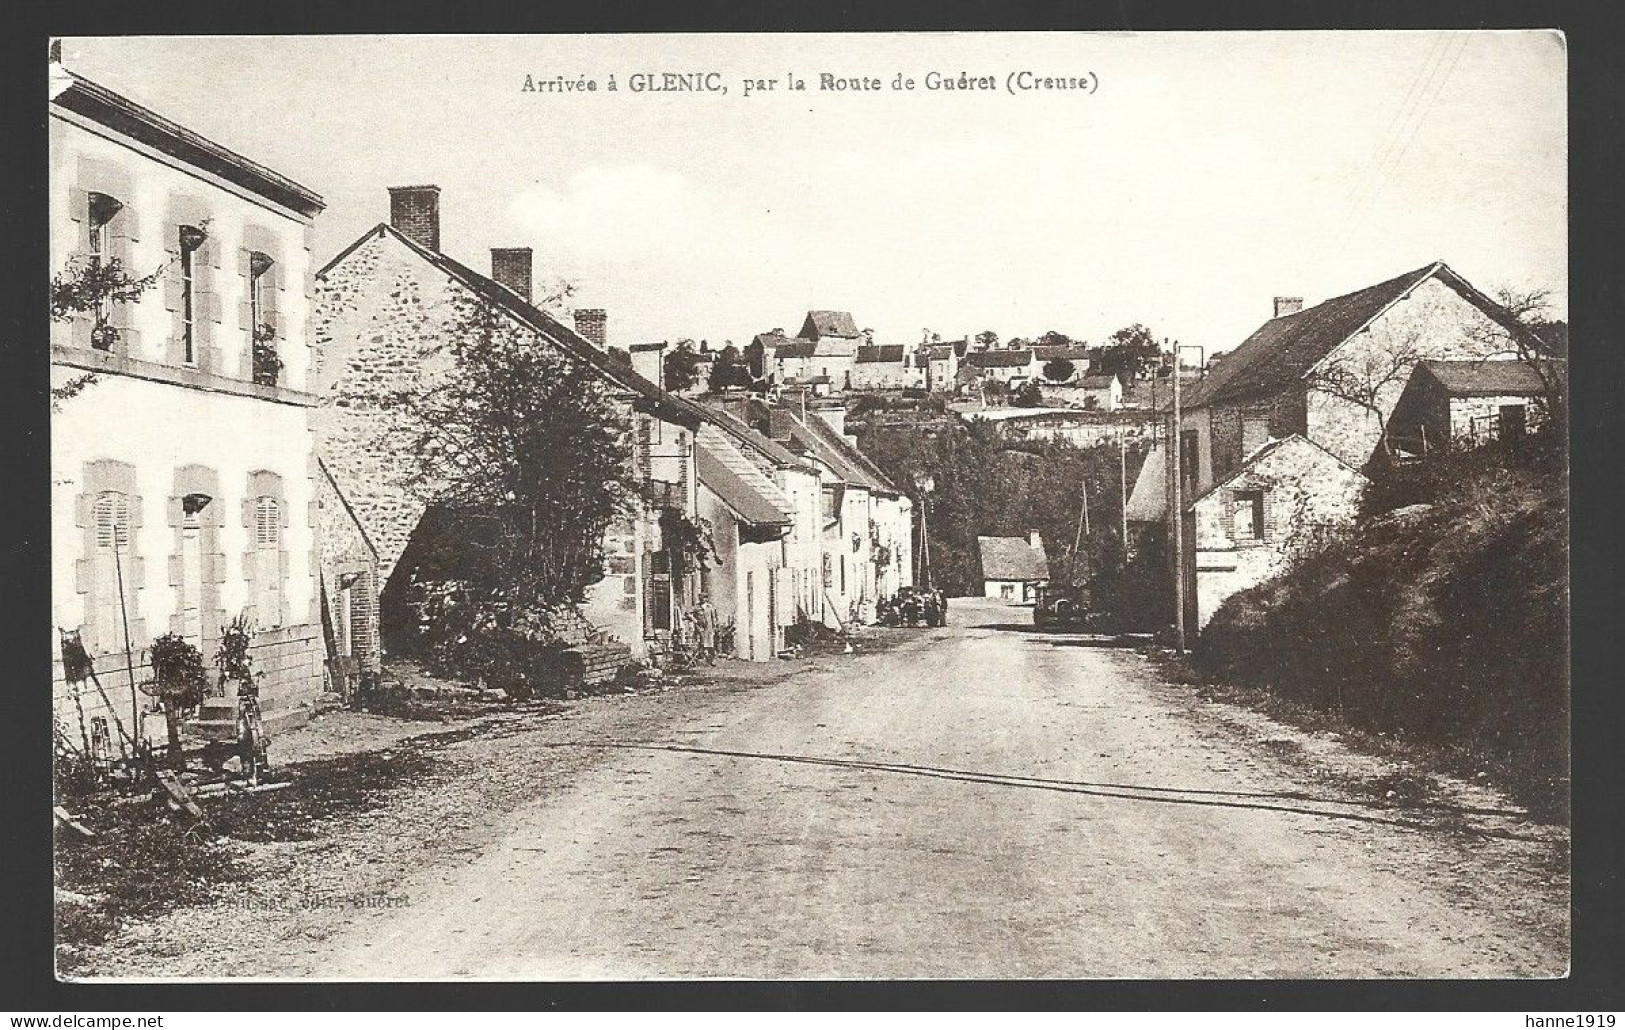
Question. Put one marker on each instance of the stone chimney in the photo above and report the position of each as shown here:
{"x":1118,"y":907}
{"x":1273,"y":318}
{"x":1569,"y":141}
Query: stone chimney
{"x":1034,"y":540}
{"x":511,"y":266}
{"x":592,"y":324}
{"x":415,"y":212}
{"x":835,"y":417}
{"x":1288,"y":306}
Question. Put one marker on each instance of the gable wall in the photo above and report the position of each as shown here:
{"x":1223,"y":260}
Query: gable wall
{"x":1435,"y":320}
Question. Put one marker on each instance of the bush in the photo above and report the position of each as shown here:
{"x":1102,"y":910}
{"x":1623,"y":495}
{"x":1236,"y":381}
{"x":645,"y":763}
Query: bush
{"x":1445,"y":624}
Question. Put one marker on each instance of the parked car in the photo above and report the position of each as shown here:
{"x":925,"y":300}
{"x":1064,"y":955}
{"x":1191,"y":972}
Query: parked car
{"x":1061,"y":606}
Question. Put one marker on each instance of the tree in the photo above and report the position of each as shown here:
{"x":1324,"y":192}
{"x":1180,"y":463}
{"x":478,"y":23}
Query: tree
{"x":728,"y":370}
{"x":1128,"y":351}
{"x":1540,"y":343}
{"x":1055,"y":339}
{"x":681,"y":369}
{"x":91,"y":286}
{"x":987,"y":339}
{"x":524,"y":444}
{"x":1030,"y":395}
{"x":1368,"y":376}
{"x":1059,"y":370}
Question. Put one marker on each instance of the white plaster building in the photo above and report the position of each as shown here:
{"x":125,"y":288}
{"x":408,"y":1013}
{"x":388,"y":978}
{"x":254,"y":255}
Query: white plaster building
{"x":184,"y":479}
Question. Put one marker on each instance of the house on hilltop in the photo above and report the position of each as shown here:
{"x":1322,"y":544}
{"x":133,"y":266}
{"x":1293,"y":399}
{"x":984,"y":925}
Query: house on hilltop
{"x":1449,"y":405}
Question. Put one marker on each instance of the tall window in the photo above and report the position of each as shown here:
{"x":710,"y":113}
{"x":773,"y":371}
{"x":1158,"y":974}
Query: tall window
{"x":267,"y":364}
{"x":268,"y":561}
{"x":110,"y":515}
{"x":191,"y":238}
{"x":103,"y":209}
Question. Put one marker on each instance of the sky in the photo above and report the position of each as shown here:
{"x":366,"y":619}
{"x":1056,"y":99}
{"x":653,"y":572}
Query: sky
{"x":1205,"y":174}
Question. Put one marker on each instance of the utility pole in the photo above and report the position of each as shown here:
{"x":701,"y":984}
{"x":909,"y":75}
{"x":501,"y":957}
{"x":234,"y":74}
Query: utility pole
{"x":1122,"y":488}
{"x":1177,"y":450}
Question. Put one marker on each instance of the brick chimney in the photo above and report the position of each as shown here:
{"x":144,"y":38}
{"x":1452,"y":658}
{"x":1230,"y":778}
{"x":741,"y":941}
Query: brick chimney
{"x":592,"y":324}
{"x":1288,"y":306}
{"x":511,"y":266}
{"x":415,"y":212}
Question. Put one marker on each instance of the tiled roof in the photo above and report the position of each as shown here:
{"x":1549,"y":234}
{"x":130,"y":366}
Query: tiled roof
{"x":1000,"y":359}
{"x":749,"y":500}
{"x":886,"y":352}
{"x":771,"y":449}
{"x":829,"y":323}
{"x":1485,"y":378}
{"x":1097,"y":382}
{"x":1011,"y":557}
{"x":771,"y":339}
{"x":1284,"y":349}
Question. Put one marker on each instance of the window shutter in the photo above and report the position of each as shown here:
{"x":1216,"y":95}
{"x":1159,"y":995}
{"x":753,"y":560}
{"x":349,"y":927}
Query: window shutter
{"x":112,"y":519}
{"x":267,"y":523}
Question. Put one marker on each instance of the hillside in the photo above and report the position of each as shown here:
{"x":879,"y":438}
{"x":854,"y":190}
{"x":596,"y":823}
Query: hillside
{"x":1440,"y":619}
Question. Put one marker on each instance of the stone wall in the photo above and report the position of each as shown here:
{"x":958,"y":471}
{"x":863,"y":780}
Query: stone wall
{"x":1305,"y":491}
{"x":1434,"y":322}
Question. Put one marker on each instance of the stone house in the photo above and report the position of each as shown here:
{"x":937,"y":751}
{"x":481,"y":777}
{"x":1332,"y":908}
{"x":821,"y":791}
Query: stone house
{"x":798,"y":483}
{"x":384,"y":307}
{"x":183,"y":476}
{"x":885,"y":367}
{"x":1008,"y":369}
{"x":1075,"y":357}
{"x":865,"y":524}
{"x":835,"y":339}
{"x":1331,"y":374}
{"x":1456,"y":404}
{"x":1246,"y":528}
{"x":748,"y":519}
{"x":1012,"y":569}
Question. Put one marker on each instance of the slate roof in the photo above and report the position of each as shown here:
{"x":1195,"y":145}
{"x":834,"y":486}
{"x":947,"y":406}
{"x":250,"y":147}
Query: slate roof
{"x":746,"y":499}
{"x":1097,"y":382}
{"x":886,"y":352}
{"x":1012,"y":557}
{"x":565,"y":338}
{"x":1148,"y":501}
{"x":1063,"y":353}
{"x":829,"y":323}
{"x":819,"y":438}
{"x":1485,"y":378}
{"x":999,"y":359}
{"x":940,"y":352}
{"x":769,"y":448}
{"x":795,"y":349}
{"x":1284,"y":349}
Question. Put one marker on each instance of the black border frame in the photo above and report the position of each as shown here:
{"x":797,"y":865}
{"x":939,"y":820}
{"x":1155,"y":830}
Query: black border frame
{"x":1596,"y":272}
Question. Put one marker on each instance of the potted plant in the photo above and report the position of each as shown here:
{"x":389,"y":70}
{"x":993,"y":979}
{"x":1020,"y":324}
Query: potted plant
{"x":233,"y":660}
{"x":179,"y":682}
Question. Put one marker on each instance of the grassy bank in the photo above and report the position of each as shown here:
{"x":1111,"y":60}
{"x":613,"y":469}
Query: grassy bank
{"x":1440,"y":618}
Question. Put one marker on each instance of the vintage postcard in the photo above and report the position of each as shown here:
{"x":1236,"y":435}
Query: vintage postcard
{"x":884,"y":506}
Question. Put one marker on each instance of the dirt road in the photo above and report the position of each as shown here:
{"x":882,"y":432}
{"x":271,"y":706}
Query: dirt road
{"x":984,"y":801}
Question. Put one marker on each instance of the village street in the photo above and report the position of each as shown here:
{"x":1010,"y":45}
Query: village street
{"x":983,"y":801}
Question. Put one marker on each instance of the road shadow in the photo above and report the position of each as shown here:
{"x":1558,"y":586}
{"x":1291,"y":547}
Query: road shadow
{"x":1444,"y":816}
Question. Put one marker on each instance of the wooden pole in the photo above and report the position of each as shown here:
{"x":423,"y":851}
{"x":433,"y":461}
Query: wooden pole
{"x":129,"y":656}
{"x":1178,"y":514}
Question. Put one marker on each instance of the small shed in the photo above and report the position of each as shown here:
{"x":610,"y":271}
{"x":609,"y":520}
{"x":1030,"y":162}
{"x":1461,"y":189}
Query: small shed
{"x":1012,"y":568}
{"x":1456,"y":404}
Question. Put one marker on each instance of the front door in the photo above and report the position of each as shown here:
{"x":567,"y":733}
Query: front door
{"x":1513,"y":422}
